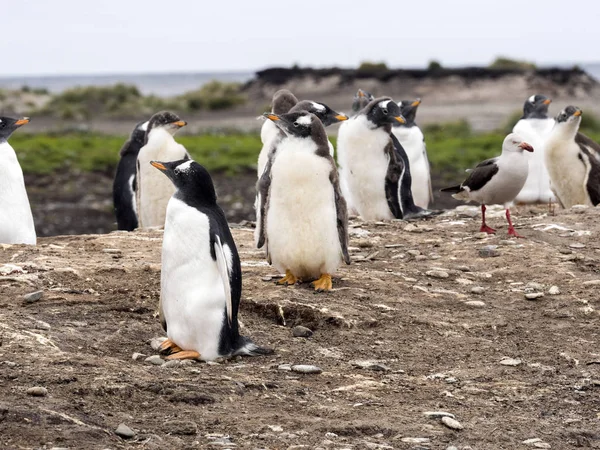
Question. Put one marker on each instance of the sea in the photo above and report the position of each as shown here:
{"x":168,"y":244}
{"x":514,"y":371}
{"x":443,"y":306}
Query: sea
{"x":162,"y":84}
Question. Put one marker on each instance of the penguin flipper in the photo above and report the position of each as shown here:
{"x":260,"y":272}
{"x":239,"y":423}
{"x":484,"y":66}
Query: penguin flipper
{"x":263,"y":187}
{"x":341,"y":212}
{"x":224,"y":272}
{"x":392,"y":178}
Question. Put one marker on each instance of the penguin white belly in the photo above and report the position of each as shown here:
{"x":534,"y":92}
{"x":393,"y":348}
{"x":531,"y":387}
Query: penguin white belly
{"x":16,"y":220}
{"x":567,"y":172}
{"x":363,"y":168}
{"x":192,"y":291}
{"x":302,"y":220}
{"x":537,"y":187}
{"x":154,"y":189}
{"x":412,"y":141}
{"x":268,"y":134}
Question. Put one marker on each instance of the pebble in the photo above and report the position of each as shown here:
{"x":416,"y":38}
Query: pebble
{"x":156,"y":342}
{"x":477,"y":290}
{"x":286,"y":367}
{"x":33,"y":297}
{"x":534,"y":295}
{"x":137,"y":356}
{"x":489,"y":251}
{"x":510,"y":362}
{"x":507,"y":242}
{"x":412,"y":440}
{"x":452,"y":447}
{"x":464,"y":268}
{"x":438,"y":414}
{"x":437,"y":274}
{"x":535,"y":286}
{"x":420,"y":258}
{"x":482,"y":235}
{"x":537,"y":443}
{"x":370,"y":365}
{"x":37,"y":391}
{"x":577,"y":245}
{"x":554,"y":290}
{"x":124,"y":431}
{"x":300,"y":331}
{"x":475,"y":303}
{"x":591,"y":283}
{"x":452,"y":423}
{"x":330,"y":435}
{"x":171,"y":363}
{"x":41,"y":325}
{"x":306,"y":368}
{"x":155,"y":359}
{"x":413,"y":252}
{"x":411,"y":228}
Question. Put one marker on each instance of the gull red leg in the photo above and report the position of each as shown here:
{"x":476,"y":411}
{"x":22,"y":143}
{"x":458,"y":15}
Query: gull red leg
{"x":511,"y":229}
{"x":484,"y":228}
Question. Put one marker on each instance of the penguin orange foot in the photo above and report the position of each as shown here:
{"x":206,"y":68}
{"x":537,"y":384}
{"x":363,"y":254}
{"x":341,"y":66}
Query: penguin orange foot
{"x":324,"y":283}
{"x":168,"y":347}
{"x":289,"y":279}
{"x":184,"y":354}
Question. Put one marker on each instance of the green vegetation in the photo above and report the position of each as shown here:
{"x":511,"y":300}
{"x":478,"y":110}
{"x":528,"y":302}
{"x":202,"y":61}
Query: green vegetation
{"x":368,"y":66}
{"x":213,"y":96}
{"x":502,"y":62}
{"x":434,"y":65}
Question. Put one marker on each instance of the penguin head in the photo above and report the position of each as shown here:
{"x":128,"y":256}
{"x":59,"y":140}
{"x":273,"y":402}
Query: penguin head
{"x":515,"y":143}
{"x":283,"y":101}
{"x":408,"y":109}
{"x":383,"y":112}
{"x":165,"y":120}
{"x":300,"y":124}
{"x":192,"y":181}
{"x":325,"y":114}
{"x":536,"y":107}
{"x":8,"y":125}
{"x":569,"y":115}
{"x":139,"y":132}
{"x":361,"y":99}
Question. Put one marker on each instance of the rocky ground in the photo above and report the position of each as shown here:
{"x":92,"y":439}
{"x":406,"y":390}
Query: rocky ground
{"x":436,"y":337}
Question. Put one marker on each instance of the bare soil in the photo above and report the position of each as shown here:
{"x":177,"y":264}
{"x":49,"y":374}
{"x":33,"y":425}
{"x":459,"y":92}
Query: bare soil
{"x":435,"y":351}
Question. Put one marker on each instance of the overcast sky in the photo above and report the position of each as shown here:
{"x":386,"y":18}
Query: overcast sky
{"x":133,"y":36}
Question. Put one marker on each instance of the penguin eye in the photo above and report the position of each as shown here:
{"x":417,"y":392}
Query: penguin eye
{"x":385,"y":111}
{"x":296,"y":124}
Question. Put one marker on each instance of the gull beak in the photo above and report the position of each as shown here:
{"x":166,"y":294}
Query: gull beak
{"x":417,"y":102}
{"x":273,"y":117}
{"x":341,"y":117}
{"x":526,"y":146}
{"x":180,"y":123}
{"x":577,"y":113}
{"x":547,"y":101}
{"x":158,"y":165}
{"x":22,"y":121}
{"x":400,"y":119}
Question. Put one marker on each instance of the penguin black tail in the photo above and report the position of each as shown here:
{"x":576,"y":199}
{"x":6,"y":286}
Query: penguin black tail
{"x":420,"y":213}
{"x":453,"y":189}
{"x":248,"y":348}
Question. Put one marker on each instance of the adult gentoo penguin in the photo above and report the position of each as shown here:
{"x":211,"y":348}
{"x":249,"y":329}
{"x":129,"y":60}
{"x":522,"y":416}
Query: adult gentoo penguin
{"x":373,"y":165}
{"x":573,"y":161}
{"x":496,"y":181}
{"x":154,"y":190}
{"x":201,"y":277}
{"x":283,"y":101}
{"x":534,"y":127}
{"x":305,"y":222}
{"x":411,"y":138}
{"x":16,"y":220}
{"x":361,"y":99}
{"x":124,"y":185}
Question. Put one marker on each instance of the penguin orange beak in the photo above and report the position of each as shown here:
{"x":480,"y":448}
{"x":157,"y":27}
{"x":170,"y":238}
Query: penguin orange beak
{"x":22,"y":121}
{"x":361,"y":93}
{"x":158,"y":165}
{"x":417,"y":102}
{"x":180,"y":123}
{"x":547,"y":101}
{"x":272,"y":117}
{"x":526,"y":146}
{"x":577,"y":113}
{"x":400,"y":119}
{"x":341,"y":117}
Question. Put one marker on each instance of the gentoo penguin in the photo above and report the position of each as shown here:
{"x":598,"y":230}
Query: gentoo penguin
{"x":411,"y":138}
{"x":303,"y":213}
{"x":573,"y":161}
{"x":374,"y":166}
{"x":124,"y":185}
{"x":283,"y":101}
{"x":361,"y":99}
{"x":534,"y":127}
{"x":496,"y":181}
{"x":154,"y":190}
{"x":201,"y":277}
{"x":16,"y":220}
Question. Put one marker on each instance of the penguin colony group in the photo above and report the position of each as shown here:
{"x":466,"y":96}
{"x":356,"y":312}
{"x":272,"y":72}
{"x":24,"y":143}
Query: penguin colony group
{"x":304,"y":197}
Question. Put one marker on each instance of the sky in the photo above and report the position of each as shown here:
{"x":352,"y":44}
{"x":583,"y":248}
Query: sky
{"x":55,"y":37}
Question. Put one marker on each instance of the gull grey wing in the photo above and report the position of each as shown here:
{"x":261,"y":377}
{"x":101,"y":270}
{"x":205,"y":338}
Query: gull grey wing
{"x":341,"y":211}
{"x":481,"y":174}
{"x":591,"y":153}
{"x":392,"y":179}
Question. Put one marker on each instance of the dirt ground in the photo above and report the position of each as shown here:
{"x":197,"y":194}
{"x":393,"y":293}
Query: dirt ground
{"x":419,"y":322}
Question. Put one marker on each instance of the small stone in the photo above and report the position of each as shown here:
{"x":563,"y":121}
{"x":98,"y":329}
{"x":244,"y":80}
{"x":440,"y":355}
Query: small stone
{"x":554,"y":290}
{"x":370,"y":365}
{"x":452,"y":447}
{"x":124,"y":431}
{"x":156,"y":342}
{"x":137,"y":356}
{"x":477,"y":290}
{"x":489,"y":251}
{"x":112,"y":251}
{"x":438,"y":414}
{"x":33,"y":296}
{"x":413,"y":252}
{"x":534,"y":295}
{"x":37,"y":391}
{"x":306,"y":368}
{"x":464,"y":268}
{"x":437,"y":274}
{"x":475,"y":303}
{"x":330,"y":435}
{"x":300,"y":331}
{"x":591,"y":283}
{"x":41,"y":325}
{"x":170,"y":364}
{"x":452,"y":423}
{"x":415,"y":440}
{"x":534,"y":286}
{"x":155,"y":359}
{"x":510,"y":362}
{"x":269,"y":278}
{"x":507,"y":242}
{"x":420,"y":258}
{"x":275,"y":428}
{"x":482,"y":235}
{"x":411,"y":228}
{"x":286,"y":367}
{"x":577,"y":245}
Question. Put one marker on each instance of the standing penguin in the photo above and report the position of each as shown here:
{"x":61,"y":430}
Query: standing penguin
{"x":411,"y":138}
{"x":303,"y":213}
{"x":16,"y":220}
{"x":154,"y":190}
{"x":361,"y":99}
{"x":124,"y":185}
{"x":373,"y":165}
{"x":573,"y":161}
{"x":201,"y":277}
{"x":535,"y":127}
